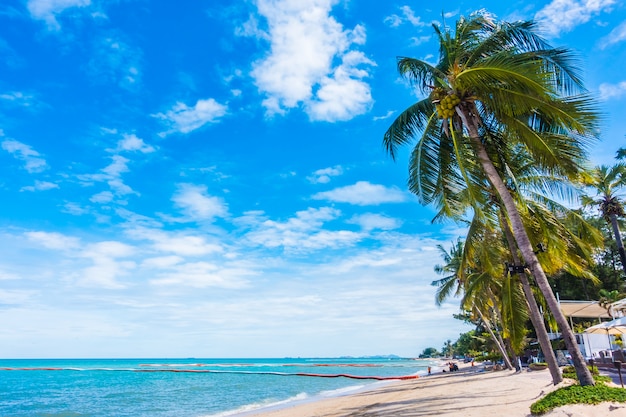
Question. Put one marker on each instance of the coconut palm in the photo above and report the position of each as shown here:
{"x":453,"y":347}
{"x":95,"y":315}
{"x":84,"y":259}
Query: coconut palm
{"x":452,"y":269}
{"x":495,"y":83}
{"x":495,"y":297}
{"x":606,"y":181}
{"x":459,"y":279}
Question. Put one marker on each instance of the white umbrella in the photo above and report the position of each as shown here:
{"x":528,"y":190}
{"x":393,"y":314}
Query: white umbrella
{"x":608,"y":327}
{"x":618,"y":322}
{"x":614,"y":327}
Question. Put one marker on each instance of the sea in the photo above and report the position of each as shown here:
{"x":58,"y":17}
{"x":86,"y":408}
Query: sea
{"x":186,"y":387}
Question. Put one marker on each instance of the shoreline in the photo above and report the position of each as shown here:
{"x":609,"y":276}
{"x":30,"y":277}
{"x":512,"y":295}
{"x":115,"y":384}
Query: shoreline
{"x":295,"y":402}
{"x":469,"y":392}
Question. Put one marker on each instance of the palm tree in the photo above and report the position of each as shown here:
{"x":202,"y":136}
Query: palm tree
{"x":452,"y":269}
{"x":495,"y":83}
{"x":606,"y":182}
{"x":470,"y":284}
{"x":448,"y":349}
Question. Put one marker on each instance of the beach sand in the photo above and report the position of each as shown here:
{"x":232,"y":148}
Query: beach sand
{"x":470,"y":392}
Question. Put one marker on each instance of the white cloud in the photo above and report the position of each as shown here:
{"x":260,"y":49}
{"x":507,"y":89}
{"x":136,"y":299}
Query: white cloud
{"x":4,"y":275}
{"x":322,"y":176}
{"x":407,"y":15}
{"x":161,"y":262}
{"x":31,"y":158}
{"x":177,"y":243}
{"x":371,"y":221}
{"x":106,"y":268}
{"x":132,"y":143}
{"x":564,"y":15}
{"x":202,"y":275}
{"x":612,"y":91}
{"x":305,"y":40}
{"x":109,"y":249}
{"x":184,"y":245}
{"x":342,"y":95}
{"x":53,"y":240}
{"x":418,"y":40}
{"x":18,"y":98}
{"x":618,"y":34}
{"x":386,"y":116}
{"x":184,"y":119}
{"x":74,"y":209}
{"x":363,"y":193}
{"x":48,"y":10}
{"x":116,"y":62}
{"x":40,"y":186}
{"x":111,"y":174}
{"x":103,"y":197}
{"x":302,"y":233}
{"x":196,"y":204}
{"x":15,"y":297}
{"x":117,"y":167}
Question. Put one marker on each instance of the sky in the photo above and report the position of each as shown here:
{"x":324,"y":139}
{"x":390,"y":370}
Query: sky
{"x":207,"y":178}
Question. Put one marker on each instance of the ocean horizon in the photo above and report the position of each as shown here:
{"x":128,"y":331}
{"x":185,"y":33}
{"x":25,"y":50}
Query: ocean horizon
{"x":194,"y":387}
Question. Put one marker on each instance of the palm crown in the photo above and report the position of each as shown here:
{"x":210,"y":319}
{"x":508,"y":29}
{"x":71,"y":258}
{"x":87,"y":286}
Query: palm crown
{"x":507,"y":83}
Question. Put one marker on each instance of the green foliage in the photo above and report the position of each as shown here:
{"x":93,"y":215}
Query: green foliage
{"x":490,"y":357}
{"x":430,"y":352}
{"x":575,"y":394}
{"x":469,"y":344}
{"x":571,"y":370}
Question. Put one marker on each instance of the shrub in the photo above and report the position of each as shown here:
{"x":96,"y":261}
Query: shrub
{"x":570,"y":372}
{"x":575,"y":394}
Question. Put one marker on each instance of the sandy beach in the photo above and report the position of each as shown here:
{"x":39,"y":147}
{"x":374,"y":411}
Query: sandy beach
{"x":471,"y":392}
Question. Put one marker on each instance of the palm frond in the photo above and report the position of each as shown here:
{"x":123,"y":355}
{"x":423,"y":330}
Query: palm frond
{"x":408,"y":125}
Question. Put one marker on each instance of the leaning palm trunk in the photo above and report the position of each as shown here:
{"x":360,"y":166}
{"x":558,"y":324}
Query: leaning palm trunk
{"x":525,"y":246}
{"x":501,"y":348}
{"x":536,"y":317}
{"x":498,"y":319}
{"x":618,"y":240}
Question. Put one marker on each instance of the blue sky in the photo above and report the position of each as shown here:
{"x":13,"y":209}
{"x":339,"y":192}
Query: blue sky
{"x":209,"y":180}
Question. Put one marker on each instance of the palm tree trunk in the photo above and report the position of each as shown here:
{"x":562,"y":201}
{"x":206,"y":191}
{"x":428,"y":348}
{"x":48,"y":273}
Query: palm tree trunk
{"x":509,"y":359}
{"x":501,"y":348}
{"x":513,"y":355}
{"x":618,"y":240}
{"x":498,"y":318}
{"x":526,"y":248}
{"x":536,"y":317}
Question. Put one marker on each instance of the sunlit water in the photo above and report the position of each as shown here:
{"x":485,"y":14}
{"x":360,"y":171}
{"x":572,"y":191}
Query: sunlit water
{"x":181,"y":387}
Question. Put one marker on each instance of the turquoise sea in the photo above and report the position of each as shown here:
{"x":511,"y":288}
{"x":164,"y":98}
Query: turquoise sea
{"x":183,"y":387}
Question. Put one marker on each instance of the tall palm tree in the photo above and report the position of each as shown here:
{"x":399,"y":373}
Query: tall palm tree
{"x":606,"y":182}
{"x":495,"y":83}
